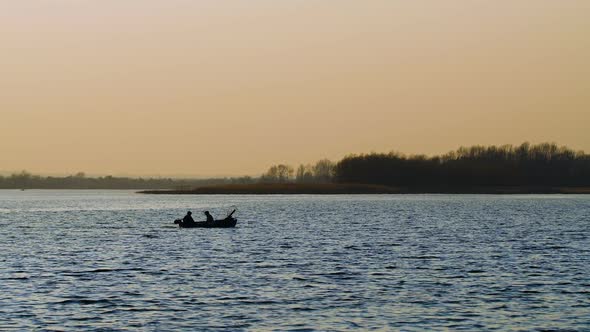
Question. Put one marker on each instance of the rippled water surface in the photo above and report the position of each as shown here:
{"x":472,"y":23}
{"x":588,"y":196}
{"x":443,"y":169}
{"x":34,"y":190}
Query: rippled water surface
{"x":112,"y":260}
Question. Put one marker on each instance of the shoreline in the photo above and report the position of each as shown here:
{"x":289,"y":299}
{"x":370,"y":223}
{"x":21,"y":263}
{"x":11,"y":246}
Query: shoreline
{"x":360,"y":189}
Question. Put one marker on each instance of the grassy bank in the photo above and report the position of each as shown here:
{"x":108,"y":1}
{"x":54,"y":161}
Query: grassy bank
{"x":339,"y":189}
{"x":282,"y":189}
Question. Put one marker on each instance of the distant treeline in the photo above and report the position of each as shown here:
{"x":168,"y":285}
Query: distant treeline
{"x":320,"y":172}
{"x":525,"y":165}
{"x":26,"y":180}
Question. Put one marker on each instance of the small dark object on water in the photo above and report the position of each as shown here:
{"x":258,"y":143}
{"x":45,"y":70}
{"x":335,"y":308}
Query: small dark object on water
{"x":225,"y":223}
{"x":228,"y":222}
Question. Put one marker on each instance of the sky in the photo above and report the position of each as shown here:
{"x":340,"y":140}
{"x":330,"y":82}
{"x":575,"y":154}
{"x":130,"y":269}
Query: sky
{"x":224,"y":88}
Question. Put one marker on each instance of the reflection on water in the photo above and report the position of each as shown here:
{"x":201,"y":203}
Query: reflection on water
{"x":112,"y":259}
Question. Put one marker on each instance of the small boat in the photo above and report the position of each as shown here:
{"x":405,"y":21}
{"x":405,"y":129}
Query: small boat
{"x":228,"y":222}
{"x":224,"y":223}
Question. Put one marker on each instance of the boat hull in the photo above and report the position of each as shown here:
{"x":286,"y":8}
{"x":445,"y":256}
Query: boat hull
{"x":225,"y":223}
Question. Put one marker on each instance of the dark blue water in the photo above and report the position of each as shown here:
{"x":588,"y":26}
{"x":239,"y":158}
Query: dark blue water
{"x":108,"y":260}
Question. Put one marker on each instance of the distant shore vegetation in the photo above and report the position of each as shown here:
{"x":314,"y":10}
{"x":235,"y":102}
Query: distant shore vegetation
{"x":468,"y":169}
{"x":26,"y":180}
{"x":543,"y":164}
{"x":524,"y":165}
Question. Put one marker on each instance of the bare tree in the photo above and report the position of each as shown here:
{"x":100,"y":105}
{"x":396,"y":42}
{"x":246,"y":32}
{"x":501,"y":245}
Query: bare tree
{"x":323,"y":170}
{"x":278,"y":173}
{"x":304,"y":174}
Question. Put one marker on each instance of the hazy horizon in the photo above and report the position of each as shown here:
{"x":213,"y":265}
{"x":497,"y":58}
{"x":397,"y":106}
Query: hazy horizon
{"x":212,"y":176}
{"x":218,"y":88}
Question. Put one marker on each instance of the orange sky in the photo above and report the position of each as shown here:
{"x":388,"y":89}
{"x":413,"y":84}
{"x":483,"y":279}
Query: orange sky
{"x":202,"y":88}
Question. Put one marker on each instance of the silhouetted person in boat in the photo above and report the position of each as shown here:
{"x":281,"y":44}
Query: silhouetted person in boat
{"x":188,"y":218}
{"x":209,"y":217}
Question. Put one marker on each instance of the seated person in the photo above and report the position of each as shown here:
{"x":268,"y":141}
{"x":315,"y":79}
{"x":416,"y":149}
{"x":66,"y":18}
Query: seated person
{"x":209,"y":217}
{"x":188,"y":218}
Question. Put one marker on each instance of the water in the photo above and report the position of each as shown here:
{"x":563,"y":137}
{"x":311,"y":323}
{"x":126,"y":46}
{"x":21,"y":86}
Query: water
{"x":112,"y":260}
